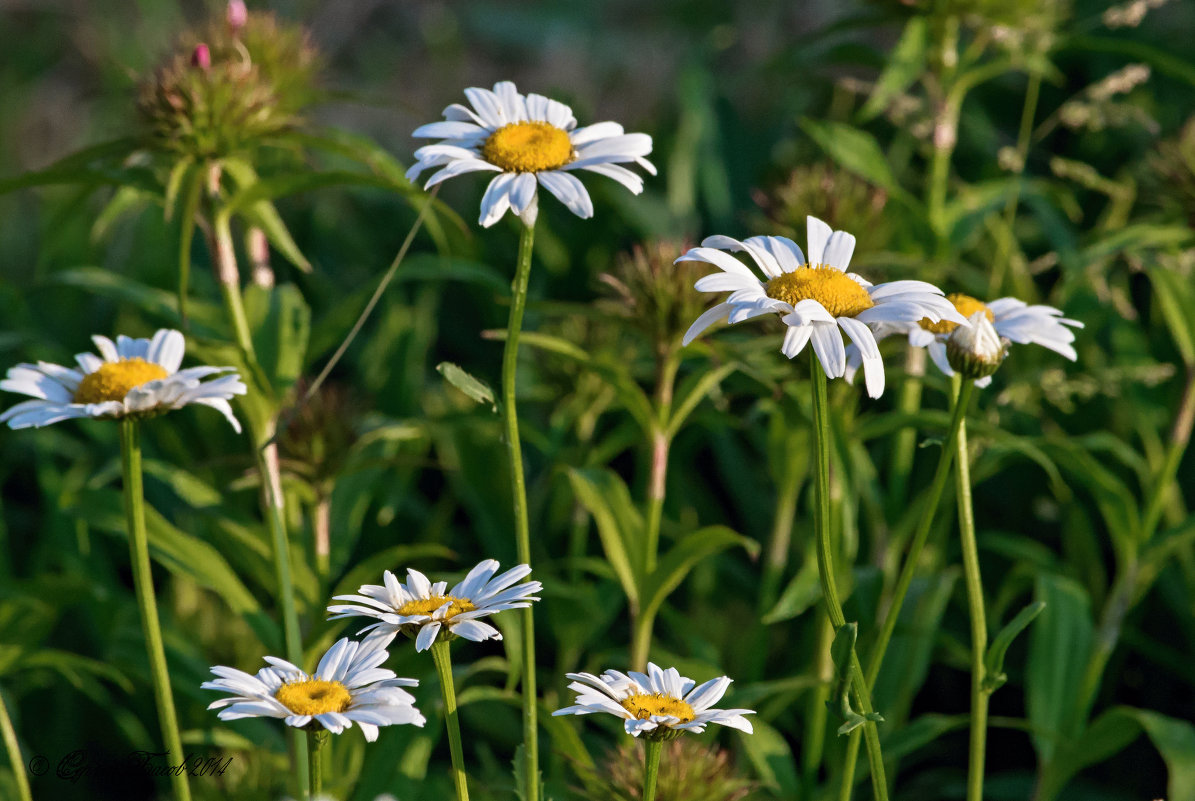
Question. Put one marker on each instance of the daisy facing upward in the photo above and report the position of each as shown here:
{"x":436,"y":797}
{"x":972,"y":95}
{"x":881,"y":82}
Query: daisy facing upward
{"x":528,"y":140}
{"x":814,"y":297}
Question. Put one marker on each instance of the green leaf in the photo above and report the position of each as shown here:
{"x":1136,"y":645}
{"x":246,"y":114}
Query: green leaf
{"x":857,"y":151}
{"x":1059,"y":647}
{"x":475,"y":388}
{"x":280,"y":320}
{"x":772,"y":759}
{"x":1176,"y":298}
{"x":676,"y":563}
{"x":905,"y":64}
{"x":253,"y":201}
{"x":841,"y":652}
{"x":156,"y":302}
{"x":125,"y":200}
{"x":994,"y":661}
{"x":191,"y":198}
{"x":692,"y":394}
{"x":78,"y":167}
{"x":803,"y":591}
{"x":620,"y":526}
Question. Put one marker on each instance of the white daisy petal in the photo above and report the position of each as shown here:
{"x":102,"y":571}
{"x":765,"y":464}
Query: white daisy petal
{"x":830,"y":350}
{"x":817,"y":234}
{"x":569,"y":191}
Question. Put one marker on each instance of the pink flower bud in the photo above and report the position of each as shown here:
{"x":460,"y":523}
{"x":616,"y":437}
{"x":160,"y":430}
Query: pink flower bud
{"x":237,"y":15}
{"x":201,"y":57}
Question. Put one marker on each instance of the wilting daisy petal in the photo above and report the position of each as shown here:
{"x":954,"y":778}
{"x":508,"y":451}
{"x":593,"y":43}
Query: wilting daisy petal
{"x":530,"y":141}
{"x":816,"y":298}
{"x":424,"y":610}
{"x":349,"y":686}
{"x":130,"y":378}
{"x":1013,"y":320}
{"x":661,"y":703}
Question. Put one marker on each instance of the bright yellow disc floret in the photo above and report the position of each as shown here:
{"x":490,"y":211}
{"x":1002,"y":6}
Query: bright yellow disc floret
{"x":528,"y":147}
{"x":841,"y":296}
{"x":113,"y":380}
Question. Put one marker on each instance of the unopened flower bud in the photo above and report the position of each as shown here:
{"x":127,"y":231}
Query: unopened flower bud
{"x":236,"y":15}
{"x":976,"y":351}
{"x":201,"y":57}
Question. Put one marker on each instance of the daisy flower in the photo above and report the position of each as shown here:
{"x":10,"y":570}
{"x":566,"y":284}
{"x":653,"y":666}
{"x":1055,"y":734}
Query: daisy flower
{"x":349,"y":686}
{"x":1013,"y":320}
{"x":527,"y":140}
{"x":130,"y":378}
{"x":814,"y":297}
{"x":421,"y":609}
{"x":661,"y":703}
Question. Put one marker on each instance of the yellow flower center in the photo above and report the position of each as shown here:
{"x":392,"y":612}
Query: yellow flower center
{"x":644,"y":706}
{"x":528,"y":147}
{"x":842,"y":296}
{"x":314,"y":697}
{"x":966,"y":306}
{"x":425,"y":606}
{"x":114,"y":380}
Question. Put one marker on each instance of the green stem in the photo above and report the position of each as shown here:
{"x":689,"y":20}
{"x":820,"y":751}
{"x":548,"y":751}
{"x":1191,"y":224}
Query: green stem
{"x":510,"y":417}
{"x":815,"y":725}
{"x":317,"y":739}
{"x":825,"y":564}
{"x":14,"y":753}
{"x":443,"y":662}
{"x":651,"y":767}
{"x":979,"y":626}
{"x":937,"y":484}
{"x":641,"y":629}
{"x":134,"y":504}
{"x":904,"y":446}
{"x":666,"y":369}
{"x":265,"y":453}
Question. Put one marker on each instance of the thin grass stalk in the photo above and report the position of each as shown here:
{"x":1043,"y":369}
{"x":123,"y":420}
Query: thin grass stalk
{"x":317,"y":741}
{"x":443,"y":662}
{"x":934,"y":495}
{"x":514,"y":450}
{"x":979,"y":626}
{"x":134,"y":504}
{"x":825,"y":564}
{"x":14,"y":753}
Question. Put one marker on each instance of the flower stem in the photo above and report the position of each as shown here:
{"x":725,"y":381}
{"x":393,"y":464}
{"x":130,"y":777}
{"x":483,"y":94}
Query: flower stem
{"x":134,"y":504}
{"x":14,"y":753}
{"x":825,"y":565}
{"x":514,"y":450}
{"x":651,"y":767}
{"x":961,"y":401}
{"x":316,"y":741}
{"x":979,"y":626}
{"x":265,"y":452}
{"x":443,"y":662}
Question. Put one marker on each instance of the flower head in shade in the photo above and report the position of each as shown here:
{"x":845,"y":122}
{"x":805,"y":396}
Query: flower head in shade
{"x":349,"y":686}
{"x":814,"y":297}
{"x":661,"y":704}
{"x":1012,"y":320}
{"x":422,"y":610}
{"x":528,"y":140}
{"x":130,"y":378}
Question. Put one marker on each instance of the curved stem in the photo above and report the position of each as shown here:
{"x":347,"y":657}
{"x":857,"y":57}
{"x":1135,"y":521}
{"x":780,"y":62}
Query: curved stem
{"x":514,"y":450}
{"x":651,"y":767}
{"x":443,"y":662}
{"x":979,"y":626}
{"x":134,"y":504}
{"x":934,"y":495}
{"x":316,"y":741}
{"x":641,"y":629}
{"x":825,"y":565}
{"x":14,"y":753}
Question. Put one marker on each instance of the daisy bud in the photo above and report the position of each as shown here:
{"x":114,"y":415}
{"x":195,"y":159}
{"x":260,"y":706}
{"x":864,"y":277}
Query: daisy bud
{"x":236,"y":15}
{"x":976,"y":351}
{"x":201,"y":57}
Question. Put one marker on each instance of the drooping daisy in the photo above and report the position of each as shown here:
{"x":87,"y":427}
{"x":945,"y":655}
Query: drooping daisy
{"x":349,"y":686}
{"x":661,"y":703}
{"x":421,"y":609}
{"x":134,"y":378}
{"x":527,"y":140}
{"x":1013,"y":320}
{"x":813,"y":297}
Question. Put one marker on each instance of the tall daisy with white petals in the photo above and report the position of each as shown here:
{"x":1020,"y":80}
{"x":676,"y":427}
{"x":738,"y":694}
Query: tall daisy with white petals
{"x":660,"y":705}
{"x":529,"y":140}
{"x":814,"y":297}
{"x":1013,"y":320}
{"x":434,"y":616}
{"x":348,"y":686}
{"x":130,"y":380}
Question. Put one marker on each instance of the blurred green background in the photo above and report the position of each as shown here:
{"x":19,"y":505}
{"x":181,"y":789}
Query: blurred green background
{"x":761,"y":112}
